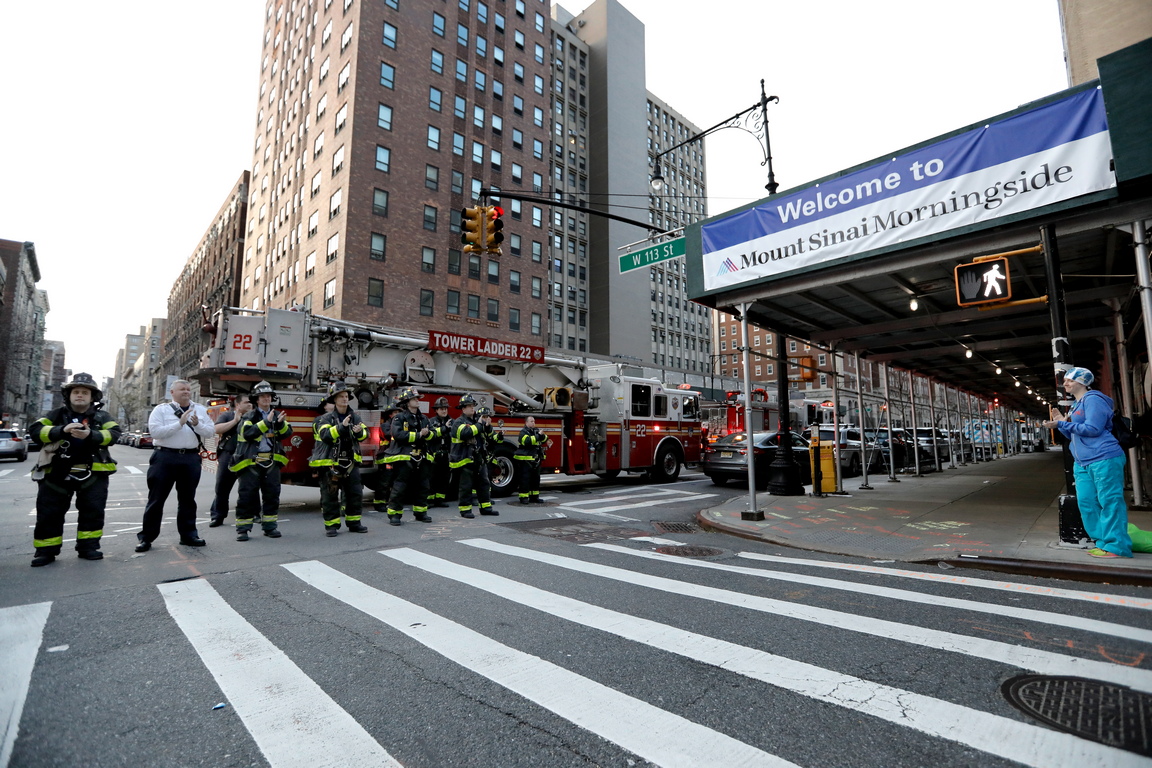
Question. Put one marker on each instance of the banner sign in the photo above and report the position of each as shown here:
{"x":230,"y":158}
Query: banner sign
{"x":474,"y":345}
{"x":1046,"y":155}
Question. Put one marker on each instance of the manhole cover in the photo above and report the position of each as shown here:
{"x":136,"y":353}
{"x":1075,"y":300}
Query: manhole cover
{"x":686,"y":551}
{"x":667,"y":527}
{"x":1102,"y":712}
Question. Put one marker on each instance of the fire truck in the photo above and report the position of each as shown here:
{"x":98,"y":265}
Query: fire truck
{"x":602,"y":417}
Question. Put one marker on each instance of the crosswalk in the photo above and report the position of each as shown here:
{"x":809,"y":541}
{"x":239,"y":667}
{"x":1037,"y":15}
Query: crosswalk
{"x":508,"y":630}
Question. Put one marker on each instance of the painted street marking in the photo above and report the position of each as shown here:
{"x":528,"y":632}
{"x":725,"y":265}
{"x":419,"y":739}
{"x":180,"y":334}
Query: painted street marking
{"x":648,"y":502}
{"x":134,"y":470}
{"x":1010,"y":611}
{"x":598,"y":513}
{"x":1041,"y":662}
{"x":293,"y":721}
{"x":654,"y":540}
{"x":652,"y":733}
{"x":21,"y":633}
{"x":4,"y":472}
{"x":966,"y":581}
{"x":1011,"y":739}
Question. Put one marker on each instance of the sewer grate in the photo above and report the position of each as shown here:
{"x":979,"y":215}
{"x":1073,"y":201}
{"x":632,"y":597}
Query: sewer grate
{"x":670,"y":527}
{"x":687,"y":551}
{"x":1102,"y":712}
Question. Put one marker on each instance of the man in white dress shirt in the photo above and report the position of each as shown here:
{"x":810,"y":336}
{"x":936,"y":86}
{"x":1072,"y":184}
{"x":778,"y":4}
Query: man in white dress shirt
{"x":178,"y":429}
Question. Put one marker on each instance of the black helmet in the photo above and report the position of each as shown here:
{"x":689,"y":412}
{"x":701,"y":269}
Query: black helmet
{"x":262,"y":388}
{"x":83,"y":380}
{"x":441,"y":402}
{"x":336,"y":388}
{"x":406,"y":394}
{"x":466,"y":400}
{"x":484,"y":411}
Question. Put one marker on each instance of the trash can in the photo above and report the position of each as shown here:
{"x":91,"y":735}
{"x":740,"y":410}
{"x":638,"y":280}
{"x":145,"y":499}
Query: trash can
{"x":824,"y":454}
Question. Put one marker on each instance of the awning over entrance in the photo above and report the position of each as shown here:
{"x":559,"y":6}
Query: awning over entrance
{"x":838,"y":262}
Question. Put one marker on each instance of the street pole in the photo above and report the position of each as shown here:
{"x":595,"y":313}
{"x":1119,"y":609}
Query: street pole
{"x":836,"y":425}
{"x":783,"y":472}
{"x":935,"y":426}
{"x":1126,"y":398}
{"x":752,"y":513}
{"x":860,"y":424}
{"x":915,"y":424}
{"x":1061,"y":345}
{"x":891,"y":441}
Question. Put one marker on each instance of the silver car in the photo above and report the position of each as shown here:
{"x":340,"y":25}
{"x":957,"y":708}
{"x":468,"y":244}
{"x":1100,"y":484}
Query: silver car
{"x":12,"y":445}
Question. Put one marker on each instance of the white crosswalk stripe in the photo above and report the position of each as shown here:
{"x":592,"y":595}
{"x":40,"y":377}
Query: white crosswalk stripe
{"x":654,"y":734}
{"x":1041,"y":662}
{"x":21,"y":633}
{"x":1024,"y":743}
{"x":293,"y":721}
{"x":605,"y":503}
{"x":134,"y":470}
{"x":6,"y":472}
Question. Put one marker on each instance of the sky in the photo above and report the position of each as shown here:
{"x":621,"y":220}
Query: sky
{"x":127,"y":124}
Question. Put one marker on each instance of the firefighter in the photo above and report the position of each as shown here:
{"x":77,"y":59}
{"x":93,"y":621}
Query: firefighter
{"x":469,"y":457}
{"x":436,"y":455}
{"x":257,"y":461}
{"x":405,"y":455}
{"x":79,"y":465}
{"x":336,"y":457}
{"x":529,"y":454}
{"x":384,"y":470}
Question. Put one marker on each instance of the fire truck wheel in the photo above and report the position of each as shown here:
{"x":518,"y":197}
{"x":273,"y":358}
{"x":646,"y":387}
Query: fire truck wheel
{"x":667,"y":465}
{"x":502,"y":473}
{"x":610,"y":474}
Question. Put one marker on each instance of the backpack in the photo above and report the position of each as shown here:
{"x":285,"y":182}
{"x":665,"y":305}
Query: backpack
{"x":1123,"y":432}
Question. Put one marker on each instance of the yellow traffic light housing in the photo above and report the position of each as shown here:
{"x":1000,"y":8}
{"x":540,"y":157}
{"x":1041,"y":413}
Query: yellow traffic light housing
{"x":472,"y":229}
{"x":493,"y":229}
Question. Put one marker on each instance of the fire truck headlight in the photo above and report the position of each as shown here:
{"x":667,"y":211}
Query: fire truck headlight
{"x":296,"y":441}
{"x":299,"y":400}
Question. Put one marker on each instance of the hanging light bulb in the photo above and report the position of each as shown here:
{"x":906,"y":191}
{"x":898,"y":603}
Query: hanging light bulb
{"x":998,"y":370}
{"x":967,"y":353}
{"x":1017,"y":382}
{"x":1029,"y":390}
{"x":913,"y":305}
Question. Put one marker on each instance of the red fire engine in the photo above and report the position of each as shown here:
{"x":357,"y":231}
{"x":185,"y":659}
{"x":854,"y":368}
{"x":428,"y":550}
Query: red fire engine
{"x":603,"y":417}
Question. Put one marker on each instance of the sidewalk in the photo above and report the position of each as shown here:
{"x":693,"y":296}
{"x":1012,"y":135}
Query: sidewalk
{"x":998,"y":515}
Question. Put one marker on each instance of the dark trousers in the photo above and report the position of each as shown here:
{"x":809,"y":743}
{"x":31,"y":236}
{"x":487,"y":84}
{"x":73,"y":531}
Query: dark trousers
{"x":439,"y":477}
{"x":165,"y":470}
{"x":474,"y":477}
{"x":529,"y":479}
{"x":409,"y":486}
{"x":225,"y":479}
{"x":53,"y":501}
{"x":338,"y":489}
{"x":383,"y":491}
{"x":259,"y":492}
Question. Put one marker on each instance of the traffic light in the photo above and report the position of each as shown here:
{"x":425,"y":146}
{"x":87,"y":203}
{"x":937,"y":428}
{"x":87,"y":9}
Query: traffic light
{"x":493,"y":229}
{"x":472,"y":229}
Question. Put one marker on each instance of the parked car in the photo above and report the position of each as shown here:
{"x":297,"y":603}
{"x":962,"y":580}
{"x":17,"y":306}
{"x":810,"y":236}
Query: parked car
{"x":134,"y":439}
{"x":12,"y":445}
{"x":852,"y":452}
{"x":943,"y":444}
{"x":903,"y":445}
{"x":144,"y":441}
{"x":726,"y":459}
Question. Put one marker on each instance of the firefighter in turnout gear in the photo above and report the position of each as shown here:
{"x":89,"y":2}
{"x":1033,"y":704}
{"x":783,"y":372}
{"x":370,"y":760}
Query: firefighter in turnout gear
{"x":336,"y":457}
{"x":529,"y":453}
{"x":257,"y":461}
{"x":79,"y":465}
{"x":436,"y":455}
{"x":469,"y":457}
{"x":405,"y":457}
{"x":384,"y":473}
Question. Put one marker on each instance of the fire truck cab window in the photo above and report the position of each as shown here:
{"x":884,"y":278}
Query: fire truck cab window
{"x":689,"y":408}
{"x":641,"y":400}
{"x":661,"y":405}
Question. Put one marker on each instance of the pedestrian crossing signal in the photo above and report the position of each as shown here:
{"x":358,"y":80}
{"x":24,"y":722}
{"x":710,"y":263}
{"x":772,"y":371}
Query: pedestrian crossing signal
{"x":983,"y":282}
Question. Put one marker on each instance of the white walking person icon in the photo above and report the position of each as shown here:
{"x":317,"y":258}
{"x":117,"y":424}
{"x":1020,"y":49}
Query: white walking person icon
{"x":992,"y":280}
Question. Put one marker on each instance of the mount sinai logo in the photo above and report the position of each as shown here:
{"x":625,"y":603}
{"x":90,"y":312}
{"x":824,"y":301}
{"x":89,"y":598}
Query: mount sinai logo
{"x":727,"y":266}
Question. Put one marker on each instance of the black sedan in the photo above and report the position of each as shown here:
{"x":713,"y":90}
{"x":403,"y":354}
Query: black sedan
{"x":727,"y":458}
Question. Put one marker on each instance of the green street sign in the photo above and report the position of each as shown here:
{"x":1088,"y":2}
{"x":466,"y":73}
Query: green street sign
{"x":652,"y":255}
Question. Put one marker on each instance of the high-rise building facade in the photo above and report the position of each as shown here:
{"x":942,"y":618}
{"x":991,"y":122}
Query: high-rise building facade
{"x":378,"y":122}
{"x":22,"y":318}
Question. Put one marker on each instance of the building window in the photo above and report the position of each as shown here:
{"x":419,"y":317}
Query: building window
{"x":437,"y":62}
{"x":342,"y":80}
{"x":313,"y":223}
{"x":430,"y":212}
{"x":535,"y":323}
{"x":474,"y":267}
{"x":453,"y":302}
{"x":461,"y":70}
{"x":461,"y":35}
{"x":375,"y":292}
{"x":334,"y":203}
{"x":513,"y":281}
{"x":333,"y":247}
{"x":379,"y":247}
{"x":427,"y":300}
{"x":330,"y":293}
{"x":513,"y":319}
{"x":477,"y":152}
{"x":537,"y":287}
{"x":380,"y":202}
{"x":387,"y":75}
{"x":309,"y":266}
{"x":493,"y":310}
{"x":493,"y":272}
{"x":432,"y":177}
{"x":791,"y":345}
{"x":435,"y":97}
{"x":457,"y":183}
{"x":384,"y":117}
{"x":768,"y":369}
{"x":428,"y":260}
{"x":438,"y":24}
{"x":383,"y":158}
{"x":389,"y":35}
{"x":342,"y":118}
{"x":453,"y":261}
{"x":458,"y":144}
{"x":473,"y":306}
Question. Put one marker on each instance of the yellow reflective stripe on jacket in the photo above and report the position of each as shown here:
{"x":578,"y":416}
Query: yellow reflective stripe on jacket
{"x":99,"y":467}
{"x":89,"y":534}
{"x":55,"y":541}
{"x":395,"y":457}
{"x":524,"y":458}
{"x":461,"y":463}
{"x":45,"y":431}
{"x":106,"y":436}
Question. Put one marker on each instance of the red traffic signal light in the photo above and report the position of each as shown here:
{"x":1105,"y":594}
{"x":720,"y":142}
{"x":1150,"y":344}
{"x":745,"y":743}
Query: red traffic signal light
{"x":493,"y":229}
{"x":472,"y":229}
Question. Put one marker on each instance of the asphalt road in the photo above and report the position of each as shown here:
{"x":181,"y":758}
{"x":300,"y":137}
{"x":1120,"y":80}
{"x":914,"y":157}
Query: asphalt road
{"x":573,"y":634}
